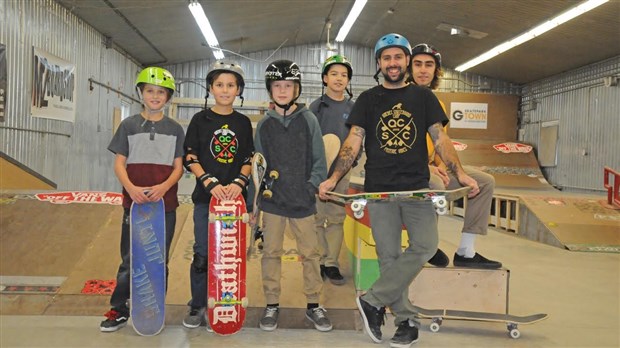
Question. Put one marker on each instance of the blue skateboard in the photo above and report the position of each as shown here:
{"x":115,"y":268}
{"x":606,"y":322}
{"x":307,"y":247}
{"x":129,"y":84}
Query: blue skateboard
{"x":148,"y":267}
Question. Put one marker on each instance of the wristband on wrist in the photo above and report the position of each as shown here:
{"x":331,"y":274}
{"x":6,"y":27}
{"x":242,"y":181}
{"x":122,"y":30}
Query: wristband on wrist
{"x":239,"y":183}
{"x":214,"y":182}
{"x":204,"y":177}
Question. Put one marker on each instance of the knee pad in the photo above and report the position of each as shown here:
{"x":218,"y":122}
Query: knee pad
{"x":199,"y":264}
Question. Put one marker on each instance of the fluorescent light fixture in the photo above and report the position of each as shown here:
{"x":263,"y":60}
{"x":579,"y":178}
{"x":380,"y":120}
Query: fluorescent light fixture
{"x":536,"y":31}
{"x":351,"y":18}
{"x":205,"y":27}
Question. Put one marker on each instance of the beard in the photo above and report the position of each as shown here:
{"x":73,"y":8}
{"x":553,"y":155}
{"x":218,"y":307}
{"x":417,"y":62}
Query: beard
{"x":399,"y":78}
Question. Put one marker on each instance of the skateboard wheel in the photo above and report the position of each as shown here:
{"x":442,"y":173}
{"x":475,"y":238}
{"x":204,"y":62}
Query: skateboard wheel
{"x":434,"y":327}
{"x":245,"y":218}
{"x":274,"y":174}
{"x":514,"y":333}
{"x":244,"y":302}
{"x":357,"y":206}
{"x":267,"y":194}
{"x":211,"y":302}
{"x":358,"y":214}
{"x":441,"y":203}
{"x":212,"y":217}
{"x":442,"y":211}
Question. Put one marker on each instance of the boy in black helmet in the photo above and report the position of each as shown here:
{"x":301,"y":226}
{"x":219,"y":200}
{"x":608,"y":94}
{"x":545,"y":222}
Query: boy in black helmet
{"x":289,"y":137}
{"x":332,"y":110}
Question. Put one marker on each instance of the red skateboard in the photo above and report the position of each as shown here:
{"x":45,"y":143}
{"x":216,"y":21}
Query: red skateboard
{"x":226,"y":297}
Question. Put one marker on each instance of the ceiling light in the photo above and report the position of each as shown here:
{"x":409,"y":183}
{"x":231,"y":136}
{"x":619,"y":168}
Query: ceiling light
{"x":351,"y":18}
{"x":536,"y":31}
{"x":205,"y":28}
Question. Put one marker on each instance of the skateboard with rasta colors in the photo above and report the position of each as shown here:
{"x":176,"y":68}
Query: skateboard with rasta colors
{"x":226,"y":274}
{"x":512,"y":321}
{"x":440,"y":198}
{"x":148,"y":267}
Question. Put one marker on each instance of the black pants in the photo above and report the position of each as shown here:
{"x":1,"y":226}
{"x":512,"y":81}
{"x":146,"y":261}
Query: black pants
{"x":119,"y":298}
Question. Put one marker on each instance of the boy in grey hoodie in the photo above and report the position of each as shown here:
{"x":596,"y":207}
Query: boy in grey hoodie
{"x":290,"y":139}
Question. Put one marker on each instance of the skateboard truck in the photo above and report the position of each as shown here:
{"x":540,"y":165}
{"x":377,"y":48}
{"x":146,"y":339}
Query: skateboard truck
{"x":439,"y":202}
{"x":268,"y":183}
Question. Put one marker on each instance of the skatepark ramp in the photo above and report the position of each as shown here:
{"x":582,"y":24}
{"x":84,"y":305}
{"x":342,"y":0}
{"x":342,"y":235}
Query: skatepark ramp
{"x":526,"y":204}
{"x":16,"y":176}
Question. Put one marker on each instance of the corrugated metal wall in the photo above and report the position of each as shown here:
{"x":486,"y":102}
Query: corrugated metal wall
{"x":191,"y":75}
{"x":589,"y":123}
{"x":73,"y":155}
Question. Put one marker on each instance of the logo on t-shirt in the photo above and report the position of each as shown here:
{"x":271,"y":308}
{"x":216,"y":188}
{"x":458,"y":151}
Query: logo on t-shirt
{"x":224,"y":145}
{"x":396,"y":131}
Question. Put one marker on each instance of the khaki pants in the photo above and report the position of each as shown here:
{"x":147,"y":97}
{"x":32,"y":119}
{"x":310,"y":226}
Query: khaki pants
{"x":329,"y":226}
{"x":271,"y":263}
{"x":478,"y":209}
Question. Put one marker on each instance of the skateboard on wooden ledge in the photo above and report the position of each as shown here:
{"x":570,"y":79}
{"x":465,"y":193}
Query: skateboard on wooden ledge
{"x":148,"y":267}
{"x":226,"y":274}
{"x":440,"y":198}
{"x":512,"y":321}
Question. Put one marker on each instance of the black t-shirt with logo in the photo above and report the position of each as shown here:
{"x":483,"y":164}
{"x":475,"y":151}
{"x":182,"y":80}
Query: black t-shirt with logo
{"x":396,"y":122}
{"x":222,"y":143}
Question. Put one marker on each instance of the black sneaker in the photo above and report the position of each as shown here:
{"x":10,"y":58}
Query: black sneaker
{"x":478,"y":261}
{"x":440,"y":259}
{"x":406,"y":335}
{"x":323,"y":272}
{"x":334,"y":276}
{"x":115,"y":320}
{"x":373,"y":318}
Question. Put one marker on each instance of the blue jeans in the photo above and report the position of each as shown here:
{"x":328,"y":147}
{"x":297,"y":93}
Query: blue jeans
{"x":198,"y":279}
{"x":119,"y":298}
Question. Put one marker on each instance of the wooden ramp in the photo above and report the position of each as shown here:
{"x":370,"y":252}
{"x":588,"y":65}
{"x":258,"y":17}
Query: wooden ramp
{"x":573,"y":222}
{"x":16,"y":176}
{"x":536,"y":209}
{"x":49,"y":252}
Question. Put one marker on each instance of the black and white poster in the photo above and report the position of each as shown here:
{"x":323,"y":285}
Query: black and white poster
{"x":53,"y":87}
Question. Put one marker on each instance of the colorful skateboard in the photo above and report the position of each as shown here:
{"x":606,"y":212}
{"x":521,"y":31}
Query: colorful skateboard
{"x":440,"y":198}
{"x":512,"y":321}
{"x":148,"y":267}
{"x":226,"y":292}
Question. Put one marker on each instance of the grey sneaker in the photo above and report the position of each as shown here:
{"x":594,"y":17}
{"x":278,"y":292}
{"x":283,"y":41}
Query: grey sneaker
{"x":318,"y":317}
{"x":269,"y":321}
{"x":194,"y":317}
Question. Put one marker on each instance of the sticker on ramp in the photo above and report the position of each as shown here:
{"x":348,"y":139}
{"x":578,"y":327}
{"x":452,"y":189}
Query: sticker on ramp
{"x":99,"y":287}
{"x":513,"y":148}
{"x":459,"y":146}
{"x":92,"y":197}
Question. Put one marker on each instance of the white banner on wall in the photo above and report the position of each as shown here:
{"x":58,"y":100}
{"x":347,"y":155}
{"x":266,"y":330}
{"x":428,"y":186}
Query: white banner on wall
{"x":469,"y":115}
{"x":53,"y":87}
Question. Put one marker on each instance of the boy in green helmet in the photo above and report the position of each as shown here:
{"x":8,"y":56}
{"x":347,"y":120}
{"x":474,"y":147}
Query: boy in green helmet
{"x":149,"y":151}
{"x":332,"y":110}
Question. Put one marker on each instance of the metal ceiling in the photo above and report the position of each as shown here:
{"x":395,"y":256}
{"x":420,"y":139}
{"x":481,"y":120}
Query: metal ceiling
{"x":164,"y":32}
